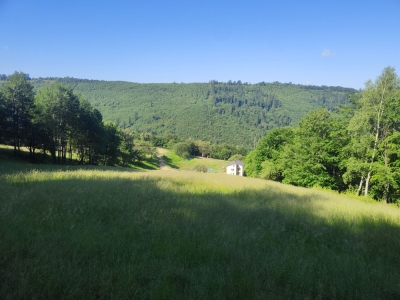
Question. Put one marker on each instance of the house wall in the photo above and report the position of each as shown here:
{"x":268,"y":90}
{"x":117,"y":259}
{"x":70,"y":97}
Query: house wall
{"x":231,"y":170}
{"x":240,"y":170}
{"x":235,"y":170}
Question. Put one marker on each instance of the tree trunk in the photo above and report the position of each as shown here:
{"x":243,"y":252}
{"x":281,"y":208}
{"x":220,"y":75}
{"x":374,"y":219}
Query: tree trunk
{"x":387,"y":185}
{"x":367,"y":184}
{"x":70,"y":153}
{"x":90,"y":155}
{"x":360,"y":185}
{"x":378,"y":123}
{"x":15,"y":125}
{"x":15,"y":145}
{"x":386,"y":194}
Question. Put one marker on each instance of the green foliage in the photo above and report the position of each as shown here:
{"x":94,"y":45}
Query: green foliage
{"x":111,"y":146}
{"x":58,"y":110}
{"x":313,"y":157}
{"x":16,"y":105}
{"x":59,"y":121}
{"x":204,"y":148}
{"x":89,"y":137}
{"x":144,"y":150}
{"x":201,"y":168}
{"x":191,"y":148}
{"x":356,"y":149}
{"x":182,"y":149}
{"x":253,"y":163}
{"x":235,"y":114}
{"x":270,"y":170}
{"x":375,"y":121}
{"x":237,"y":157}
{"x":307,"y":156}
{"x":3,"y":119}
{"x":264,"y":161}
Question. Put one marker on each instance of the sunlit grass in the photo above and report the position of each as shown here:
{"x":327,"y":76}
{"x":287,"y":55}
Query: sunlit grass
{"x":213,"y":165}
{"x":175,"y":161}
{"x":109,"y":233}
{"x":7,"y":157}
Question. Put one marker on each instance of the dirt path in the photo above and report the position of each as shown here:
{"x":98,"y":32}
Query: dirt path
{"x":161,"y":163}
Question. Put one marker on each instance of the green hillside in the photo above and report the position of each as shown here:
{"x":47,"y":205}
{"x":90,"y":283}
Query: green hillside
{"x":231,"y":112}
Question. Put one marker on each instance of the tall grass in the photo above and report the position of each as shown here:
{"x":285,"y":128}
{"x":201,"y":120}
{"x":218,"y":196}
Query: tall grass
{"x":44,"y":161}
{"x":102,"y":234}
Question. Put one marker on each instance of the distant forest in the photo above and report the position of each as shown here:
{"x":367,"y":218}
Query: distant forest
{"x":220,"y":112}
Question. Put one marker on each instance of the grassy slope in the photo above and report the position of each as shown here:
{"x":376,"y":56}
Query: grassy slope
{"x":176,"y":162}
{"x":7,"y":154}
{"x":101,"y":234}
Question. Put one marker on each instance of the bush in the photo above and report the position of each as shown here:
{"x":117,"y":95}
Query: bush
{"x":201,"y":168}
{"x":182,"y":150}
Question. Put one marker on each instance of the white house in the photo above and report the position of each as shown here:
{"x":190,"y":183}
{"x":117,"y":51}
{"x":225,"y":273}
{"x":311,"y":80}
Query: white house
{"x":235,"y":168}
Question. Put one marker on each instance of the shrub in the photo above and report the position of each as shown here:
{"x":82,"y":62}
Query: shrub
{"x":182,"y":149}
{"x":201,"y":168}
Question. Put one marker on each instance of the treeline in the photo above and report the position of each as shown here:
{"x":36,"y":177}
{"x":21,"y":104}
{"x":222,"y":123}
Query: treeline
{"x":186,"y":148}
{"x":3,"y":77}
{"x":58,"y":121}
{"x":220,"y":112}
{"x":206,"y":149}
{"x":355,"y":150}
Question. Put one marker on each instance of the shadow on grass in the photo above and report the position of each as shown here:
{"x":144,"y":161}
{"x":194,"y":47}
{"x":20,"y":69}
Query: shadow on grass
{"x":152,"y":166}
{"x":42,"y":161}
{"x":7,"y":154}
{"x":168,"y":162}
{"x":149,"y":238}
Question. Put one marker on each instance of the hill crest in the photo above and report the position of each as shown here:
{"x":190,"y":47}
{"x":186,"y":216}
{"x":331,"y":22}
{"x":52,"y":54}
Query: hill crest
{"x":232,"y":112}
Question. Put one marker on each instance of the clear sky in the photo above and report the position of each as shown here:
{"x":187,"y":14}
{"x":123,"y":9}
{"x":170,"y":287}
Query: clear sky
{"x":338,"y":43}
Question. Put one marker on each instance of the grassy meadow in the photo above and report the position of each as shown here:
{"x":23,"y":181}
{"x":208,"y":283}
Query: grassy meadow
{"x":109,"y":233}
{"x":44,"y":161}
{"x":174,"y":161}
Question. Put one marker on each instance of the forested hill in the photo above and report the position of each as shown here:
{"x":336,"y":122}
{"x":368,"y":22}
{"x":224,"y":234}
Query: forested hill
{"x":232,"y":112}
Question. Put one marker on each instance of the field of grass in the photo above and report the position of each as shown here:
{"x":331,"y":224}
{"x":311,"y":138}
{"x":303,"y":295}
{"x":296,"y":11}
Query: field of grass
{"x":117,"y":234}
{"x":7,"y":155}
{"x":176,"y":162}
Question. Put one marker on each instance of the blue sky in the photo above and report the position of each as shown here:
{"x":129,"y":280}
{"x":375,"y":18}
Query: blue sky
{"x":339,"y":43}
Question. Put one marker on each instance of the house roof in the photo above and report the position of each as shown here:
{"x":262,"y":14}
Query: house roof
{"x":236,"y":162}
